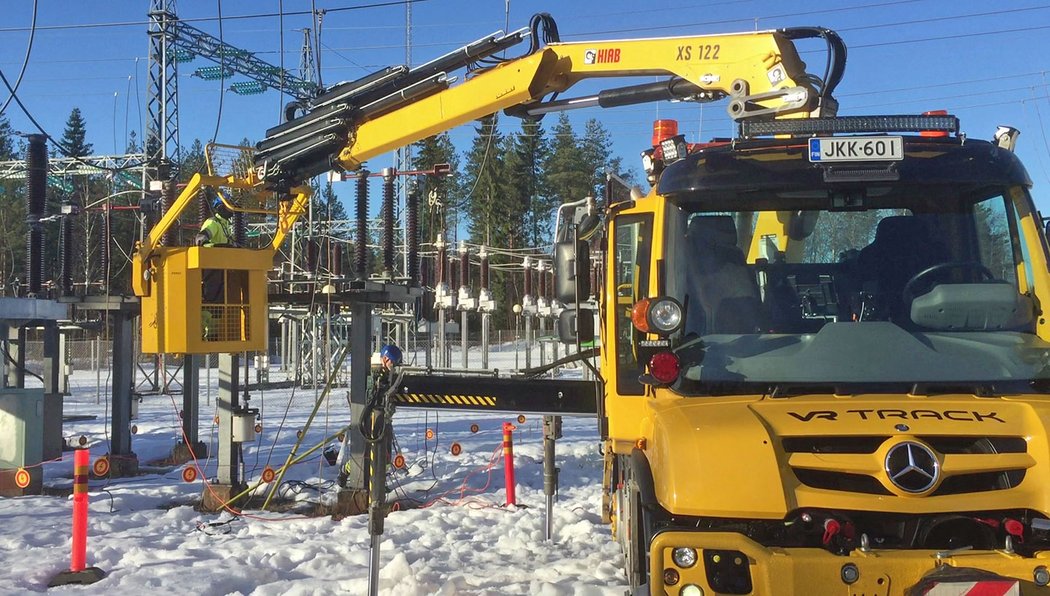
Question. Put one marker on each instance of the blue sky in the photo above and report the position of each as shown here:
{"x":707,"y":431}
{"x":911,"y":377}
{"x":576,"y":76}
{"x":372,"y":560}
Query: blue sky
{"x":985,"y":62}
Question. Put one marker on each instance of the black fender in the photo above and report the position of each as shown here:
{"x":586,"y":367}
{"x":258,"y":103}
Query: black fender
{"x":643,"y":476}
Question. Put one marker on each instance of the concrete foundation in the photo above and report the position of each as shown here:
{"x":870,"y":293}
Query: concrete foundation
{"x":180,"y":453}
{"x":350,"y":501}
{"x":123,"y":466}
{"x":216,"y":494}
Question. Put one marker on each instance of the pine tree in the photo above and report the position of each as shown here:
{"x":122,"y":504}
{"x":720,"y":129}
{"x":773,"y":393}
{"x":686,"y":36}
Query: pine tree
{"x":73,"y":138}
{"x":435,"y":193}
{"x":484,"y":187}
{"x":193,"y":161}
{"x":596,"y":155}
{"x":528,"y":201}
{"x":133,"y":144}
{"x":567,"y":173}
{"x":7,"y":144}
{"x":12,"y":214}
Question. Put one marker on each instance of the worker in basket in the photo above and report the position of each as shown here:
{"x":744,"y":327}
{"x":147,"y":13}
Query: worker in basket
{"x":215,"y":231}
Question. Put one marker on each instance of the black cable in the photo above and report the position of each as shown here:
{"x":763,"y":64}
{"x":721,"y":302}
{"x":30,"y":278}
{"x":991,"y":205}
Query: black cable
{"x":25,"y":61}
{"x":60,"y":146}
{"x":260,"y":15}
{"x":222,"y":68}
{"x":11,"y":361}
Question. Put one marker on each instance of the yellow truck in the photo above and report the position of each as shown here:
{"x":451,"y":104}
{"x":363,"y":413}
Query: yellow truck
{"x":825,"y":365}
{"x":824,"y":360}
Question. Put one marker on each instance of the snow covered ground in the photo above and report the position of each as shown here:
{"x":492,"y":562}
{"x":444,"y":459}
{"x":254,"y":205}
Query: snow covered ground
{"x":454,"y":535}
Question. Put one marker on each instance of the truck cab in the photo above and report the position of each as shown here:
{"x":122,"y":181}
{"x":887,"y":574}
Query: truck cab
{"x":826,"y":364}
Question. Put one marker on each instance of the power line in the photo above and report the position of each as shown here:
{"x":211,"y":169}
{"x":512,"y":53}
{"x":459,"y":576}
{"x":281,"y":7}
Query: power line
{"x":61,"y":147}
{"x":25,"y":61}
{"x":211,"y":19}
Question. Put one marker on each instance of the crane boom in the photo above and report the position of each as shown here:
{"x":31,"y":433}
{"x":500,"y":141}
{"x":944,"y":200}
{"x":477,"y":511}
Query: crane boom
{"x":760,"y":71}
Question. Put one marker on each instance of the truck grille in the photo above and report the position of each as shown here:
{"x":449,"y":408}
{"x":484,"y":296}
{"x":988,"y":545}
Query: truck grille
{"x":852,"y":463}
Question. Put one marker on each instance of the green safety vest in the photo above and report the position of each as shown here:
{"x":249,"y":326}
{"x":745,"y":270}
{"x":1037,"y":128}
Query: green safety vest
{"x":216,"y":230}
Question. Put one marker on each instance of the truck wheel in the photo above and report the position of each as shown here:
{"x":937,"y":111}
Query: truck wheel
{"x":636,"y":540}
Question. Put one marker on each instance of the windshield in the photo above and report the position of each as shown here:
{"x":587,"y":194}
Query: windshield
{"x":869,"y":286}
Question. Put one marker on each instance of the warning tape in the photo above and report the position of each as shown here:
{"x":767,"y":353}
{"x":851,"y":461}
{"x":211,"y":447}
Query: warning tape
{"x":457,"y":400}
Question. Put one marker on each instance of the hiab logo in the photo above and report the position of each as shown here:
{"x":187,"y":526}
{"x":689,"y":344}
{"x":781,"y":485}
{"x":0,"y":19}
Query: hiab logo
{"x":604,"y":56}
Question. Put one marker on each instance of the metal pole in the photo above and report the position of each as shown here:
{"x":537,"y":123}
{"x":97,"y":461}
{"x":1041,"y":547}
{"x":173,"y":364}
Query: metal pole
{"x":485,"y":340}
{"x":123,"y":365}
{"x":442,"y":362}
{"x":551,"y":433}
{"x":229,"y":402}
{"x":191,"y":400}
{"x":528,"y":341}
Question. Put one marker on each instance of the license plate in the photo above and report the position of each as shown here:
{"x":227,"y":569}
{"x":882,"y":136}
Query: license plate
{"x":825,"y":149}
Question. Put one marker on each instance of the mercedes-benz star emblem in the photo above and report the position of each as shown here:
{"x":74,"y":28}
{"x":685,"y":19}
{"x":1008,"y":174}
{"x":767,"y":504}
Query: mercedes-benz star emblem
{"x":912,"y":467}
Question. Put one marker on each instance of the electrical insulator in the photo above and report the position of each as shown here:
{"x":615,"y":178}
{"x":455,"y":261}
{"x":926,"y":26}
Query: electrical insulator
{"x":311,"y":255}
{"x":528,"y":280}
{"x":167,"y":199}
{"x":335,"y":257}
{"x":441,"y":258}
{"x":361,"y":240}
{"x":65,"y":257}
{"x":412,"y":236}
{"x":36,"y":201}
{"x":464,"y":265}
{"x":388,"y":222}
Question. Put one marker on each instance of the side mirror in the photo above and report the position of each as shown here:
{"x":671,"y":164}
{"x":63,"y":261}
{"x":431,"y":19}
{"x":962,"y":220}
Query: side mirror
{"x":572,"y":265}
{"x":571,"y":327}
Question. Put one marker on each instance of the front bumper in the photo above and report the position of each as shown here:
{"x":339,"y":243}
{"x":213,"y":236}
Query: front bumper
{"x":815,"y":572}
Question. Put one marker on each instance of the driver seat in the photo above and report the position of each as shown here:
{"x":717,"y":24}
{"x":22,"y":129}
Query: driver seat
{"x":726,"y":288}
{"x":903,"y":246}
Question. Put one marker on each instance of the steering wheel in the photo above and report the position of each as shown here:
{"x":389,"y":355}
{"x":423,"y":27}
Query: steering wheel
{"x":909,"y":288}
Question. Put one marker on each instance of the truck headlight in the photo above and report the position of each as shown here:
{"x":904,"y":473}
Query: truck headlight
{"x":692,"y":590}
{"x":665,"y":315}
{"x":684,"y":557}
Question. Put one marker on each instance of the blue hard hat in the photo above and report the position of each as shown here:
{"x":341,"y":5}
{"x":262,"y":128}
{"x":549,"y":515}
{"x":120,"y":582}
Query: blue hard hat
{"x":391,"y":353}
{"x":217,"y":204}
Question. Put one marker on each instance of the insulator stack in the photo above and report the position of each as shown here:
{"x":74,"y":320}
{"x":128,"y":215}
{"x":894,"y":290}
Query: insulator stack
{"x":452,"y":272}
{"x":412,"y":236}
{"x":361,"y":239}
{"x":65,"y":257}
{"x":484,"y":270}
{"x":549,"y":276}
{"x":388,"y":222}
{"x":335,"y":256}
{"x":426,"y":275}
{"x":442,"y":257}
{"x":464,"y":266}
{"x":107,"y":237}
{"x":528,"y":278}
{"x":240,"y":228}
{"x":36,"y":201}
{"x":202,"y":208}
{"x":543,"y":281}
{"x":311,"y":255}
{"x":167,"y":199}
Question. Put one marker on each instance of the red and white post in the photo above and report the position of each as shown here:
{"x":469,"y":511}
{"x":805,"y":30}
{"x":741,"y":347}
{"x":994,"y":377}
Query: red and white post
{"x":78,"y":572}
{"x":508,"y":461}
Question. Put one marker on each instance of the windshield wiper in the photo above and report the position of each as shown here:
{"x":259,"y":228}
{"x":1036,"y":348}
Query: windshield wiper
{"x":978,"y":389}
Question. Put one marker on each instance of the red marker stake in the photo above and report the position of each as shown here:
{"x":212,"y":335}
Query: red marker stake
{"x":508,"y":461}
{"x":78,"y":572}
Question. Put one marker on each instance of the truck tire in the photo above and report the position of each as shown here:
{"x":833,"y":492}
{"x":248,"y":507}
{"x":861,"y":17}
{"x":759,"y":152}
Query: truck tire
{"x":636,"y":539}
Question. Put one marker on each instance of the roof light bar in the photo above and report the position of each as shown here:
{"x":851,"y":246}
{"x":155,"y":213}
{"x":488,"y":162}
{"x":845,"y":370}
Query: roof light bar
{"x":848,"y":124}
